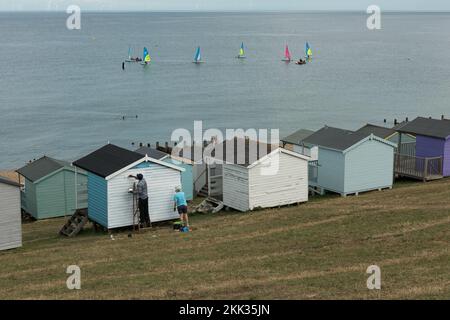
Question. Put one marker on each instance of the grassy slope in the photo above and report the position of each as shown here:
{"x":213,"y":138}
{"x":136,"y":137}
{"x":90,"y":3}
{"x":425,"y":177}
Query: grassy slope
{"x":317,"y":250}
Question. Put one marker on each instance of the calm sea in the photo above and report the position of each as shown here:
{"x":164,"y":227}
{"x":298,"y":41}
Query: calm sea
{"x":63,"y":93}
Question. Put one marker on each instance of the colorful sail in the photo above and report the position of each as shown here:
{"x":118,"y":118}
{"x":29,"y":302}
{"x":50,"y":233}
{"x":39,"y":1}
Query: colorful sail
{"x":198,"y":56}
{"x":287,"y":54}
{"x":308,"y":50}
{"x":242,"y":51}
{"x":146,"y":56}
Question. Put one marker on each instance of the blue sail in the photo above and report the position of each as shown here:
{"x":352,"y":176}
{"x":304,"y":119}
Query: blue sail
{"x":308,"y":51}
{"x":198,"y":56}
{"x":145,"y":53}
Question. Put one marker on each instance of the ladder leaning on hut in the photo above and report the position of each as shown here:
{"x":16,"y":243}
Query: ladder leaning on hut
{"x":136,"y":211}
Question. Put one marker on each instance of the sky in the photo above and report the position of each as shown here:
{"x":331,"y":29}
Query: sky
{"x":224,"y":5}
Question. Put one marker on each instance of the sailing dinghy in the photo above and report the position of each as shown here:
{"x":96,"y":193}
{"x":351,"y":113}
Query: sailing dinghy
{"x":130,"y":56}
{"x":287,"y":55}
{"x":241,"y":52}
{"x":146,"y":57}
{"x":198,"y":56}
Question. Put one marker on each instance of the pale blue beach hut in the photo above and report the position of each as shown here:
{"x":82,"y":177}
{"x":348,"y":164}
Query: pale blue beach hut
{"x":349,"y":162}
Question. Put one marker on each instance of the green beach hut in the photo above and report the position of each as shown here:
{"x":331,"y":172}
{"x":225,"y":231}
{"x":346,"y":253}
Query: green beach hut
{"x":52,"y":188}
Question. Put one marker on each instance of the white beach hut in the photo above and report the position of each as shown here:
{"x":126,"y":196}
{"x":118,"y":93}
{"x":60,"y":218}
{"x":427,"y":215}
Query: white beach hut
{"x":260,"y":177}
{"x":10,"y":215}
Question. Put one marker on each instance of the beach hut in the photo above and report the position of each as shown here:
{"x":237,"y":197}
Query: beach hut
{"x":392,"y":135}
{"x":258,"y":175}
{"x":52,"y":188}
{"x":187,"y":181}
{"x":294,"y":142}
{"x":349,"y":162}
{"x":110,"y":203}
{"x":10,"y":215}
{"x":193,"y":155}
{"x":432,"y":149}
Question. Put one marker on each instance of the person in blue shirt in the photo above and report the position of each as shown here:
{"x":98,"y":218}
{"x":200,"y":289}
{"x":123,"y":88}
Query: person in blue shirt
{"x":180,"y":204}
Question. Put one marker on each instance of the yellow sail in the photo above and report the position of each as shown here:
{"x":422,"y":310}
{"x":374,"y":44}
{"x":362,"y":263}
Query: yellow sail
{"x":146,"y":56}
{"x":241,"y":51}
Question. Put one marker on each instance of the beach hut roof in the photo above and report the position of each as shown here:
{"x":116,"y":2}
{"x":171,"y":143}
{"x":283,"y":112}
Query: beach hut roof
{"x":108,"y":160}
{"x":41,"y":168}
{"x":427,"y":127}
{"x":230,"y":151}
{"x":340,"y":139}
{"x":9,"y":182}
{"x":400,"y":125}
{"x":298,"y":136}
{"x":152,"y":153}
{"x":249,"y":157}
{"x":111,"y":160}
{"x":381,"y":132}
{"x":334,"y":138}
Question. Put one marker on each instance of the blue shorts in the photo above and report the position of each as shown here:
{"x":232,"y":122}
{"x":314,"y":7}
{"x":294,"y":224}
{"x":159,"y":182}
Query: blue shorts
{"x":182,"y":209}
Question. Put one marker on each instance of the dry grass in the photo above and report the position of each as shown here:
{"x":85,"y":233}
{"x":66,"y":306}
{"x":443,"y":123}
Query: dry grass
{"x":319,"y":250}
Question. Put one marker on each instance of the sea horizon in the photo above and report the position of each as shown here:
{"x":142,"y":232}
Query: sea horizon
{"x":363,"y":11}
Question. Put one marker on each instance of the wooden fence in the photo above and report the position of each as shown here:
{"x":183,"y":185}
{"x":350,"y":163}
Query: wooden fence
{"x":418,"y":168}
{"x":407,"y":148}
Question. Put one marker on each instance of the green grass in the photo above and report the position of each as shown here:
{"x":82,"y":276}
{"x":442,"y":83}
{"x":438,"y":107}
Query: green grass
{"x":318,"y":250}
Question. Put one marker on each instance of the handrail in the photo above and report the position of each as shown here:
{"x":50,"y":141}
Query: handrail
{"x":415,"y":157}
{"x":198,"y":178}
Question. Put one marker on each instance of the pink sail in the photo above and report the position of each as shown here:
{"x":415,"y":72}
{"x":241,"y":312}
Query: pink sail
{"x":287,"y":54}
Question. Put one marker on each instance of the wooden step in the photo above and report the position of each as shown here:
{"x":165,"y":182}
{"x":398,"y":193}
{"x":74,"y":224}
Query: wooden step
{"x":75,"y":223}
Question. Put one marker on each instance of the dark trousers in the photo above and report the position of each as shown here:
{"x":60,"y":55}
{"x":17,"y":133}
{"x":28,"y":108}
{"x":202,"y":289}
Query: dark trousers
{"x":143,"y":210}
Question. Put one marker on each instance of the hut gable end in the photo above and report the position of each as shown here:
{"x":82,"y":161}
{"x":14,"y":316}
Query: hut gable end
{"x":10,"y":218}
{"x":367,"y":165}
{"x":279,"y":179}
